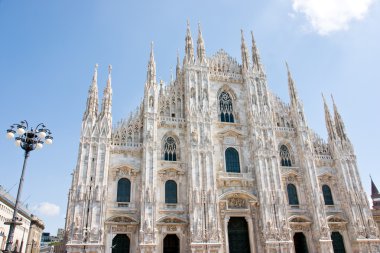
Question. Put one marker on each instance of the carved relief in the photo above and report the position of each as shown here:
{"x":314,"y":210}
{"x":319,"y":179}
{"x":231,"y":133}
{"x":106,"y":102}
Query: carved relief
{"x":237,"y":202}
{"x":124,"y":172}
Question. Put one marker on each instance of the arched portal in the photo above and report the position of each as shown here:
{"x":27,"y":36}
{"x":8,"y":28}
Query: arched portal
{"x":300,"y":244}
{"x":171,"y":244}
{"x":120,"y":244}
{"x":338,"y":243}
{"x":238,"y":237}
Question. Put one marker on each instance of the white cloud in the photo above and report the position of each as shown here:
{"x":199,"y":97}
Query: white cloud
{"x":47,"y":209}
{"x":327,"y":16}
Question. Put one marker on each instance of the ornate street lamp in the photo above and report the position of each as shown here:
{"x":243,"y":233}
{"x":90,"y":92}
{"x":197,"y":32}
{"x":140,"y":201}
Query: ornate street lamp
{"x":28,"y":140}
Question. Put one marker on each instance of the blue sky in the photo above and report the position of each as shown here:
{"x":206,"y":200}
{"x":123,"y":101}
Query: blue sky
{"x":48,"y":50}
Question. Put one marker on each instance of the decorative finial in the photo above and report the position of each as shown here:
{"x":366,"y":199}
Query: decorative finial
{"x":109,"y":69}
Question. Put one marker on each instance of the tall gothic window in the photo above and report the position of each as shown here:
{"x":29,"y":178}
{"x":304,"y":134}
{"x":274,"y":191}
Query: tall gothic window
{"x":225,"y":107}
{"x":327,"y":196}
{"x":285,"y":156}
{"x":170,"y":149}
{"x":124,"y":190}
{"x":232,"y":160}
{"x":171,"y":192}
{"x":292,"y":194}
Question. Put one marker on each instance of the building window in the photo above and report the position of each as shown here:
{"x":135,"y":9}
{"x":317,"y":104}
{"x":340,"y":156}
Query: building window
{"x":124,"y":190}
{"x":292,"y":194}
{"x":171,"y":192}
{"x":225,"y":107}
{"x":232,"y":160}
{"x":327,"y":196}
{"x":170,"y":149}
{"x":285,"y":156}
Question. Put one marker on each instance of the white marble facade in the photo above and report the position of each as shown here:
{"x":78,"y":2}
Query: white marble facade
{"x":236,"y":154}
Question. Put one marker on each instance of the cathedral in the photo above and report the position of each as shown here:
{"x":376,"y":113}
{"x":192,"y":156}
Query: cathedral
{"x":214,"y":162}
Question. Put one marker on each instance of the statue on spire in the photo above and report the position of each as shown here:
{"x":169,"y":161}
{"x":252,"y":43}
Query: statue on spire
{"x":92,"y":99}
{"x":189,"y":49}
{"x":201,"y":52}
{"x":151,"y":72}
{"x":244,"y":53}
{"x":256,"y":62}
{"x":340,"y":129}
{"x":178,"y":67}
{"x":107,"y":95}
{"x":292,"y":89}
{"x":329,"y":123}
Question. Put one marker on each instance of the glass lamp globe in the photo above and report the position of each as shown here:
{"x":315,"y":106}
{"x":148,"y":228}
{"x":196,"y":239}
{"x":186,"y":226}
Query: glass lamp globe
{"x":48,"y":141}
{"x":10,"y":135}
{"x":42,"y":134}
{"x":20,"y":130}
{"x":18,"y":143}
{"x":39,"y":145}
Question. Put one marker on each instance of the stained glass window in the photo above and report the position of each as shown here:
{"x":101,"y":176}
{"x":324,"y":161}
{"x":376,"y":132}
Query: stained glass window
{"x":225,"y":107}
{"x":124,"y":190}
{"x":292,"y":194}
{"x":285,"y":156}
{"x":171,"y":192}
{"x":232,"y":160}
{"x":170,"y":149}
{"x":327,"y":196}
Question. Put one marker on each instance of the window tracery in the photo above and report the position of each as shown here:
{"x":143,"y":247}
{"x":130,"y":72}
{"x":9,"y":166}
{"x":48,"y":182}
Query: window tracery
{"x":225,"y":108}
{"x":286,"y":159}
{"x":170,"y":149}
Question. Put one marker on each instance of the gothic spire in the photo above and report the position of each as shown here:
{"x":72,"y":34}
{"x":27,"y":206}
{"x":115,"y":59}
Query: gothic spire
{"x":292,"y":88}
{"x":201,"y":52}
{"x":329,"y":123}
{"x":107,"y":95}
{"x":340,"y":129}
{"x":244,"y":53}
{"x":178,"y":67}
{"x":189,"y":49}
{"x":256,"y":62}
{"x":92,"y":99}
{"x":151,"y":72}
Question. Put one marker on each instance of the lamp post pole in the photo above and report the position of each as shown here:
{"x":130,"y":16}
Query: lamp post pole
{"x":28,"y":140}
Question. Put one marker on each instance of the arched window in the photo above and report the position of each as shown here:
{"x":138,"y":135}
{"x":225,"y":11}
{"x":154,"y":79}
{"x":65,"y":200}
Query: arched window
{"x":225,"y":107}
{"x":292,"y":194}
{"x":171,"y":192}
{"x":170,"y":149}
{"x":327,"y":196}
{"x":232,"y":160}
{"x":285,"y":156}
{"x":124,"y":190}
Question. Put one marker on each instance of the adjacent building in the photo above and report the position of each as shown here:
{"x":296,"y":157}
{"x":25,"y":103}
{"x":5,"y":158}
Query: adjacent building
{"x":27,"y":235}
{"x":213,"y":161}
{"x":375,"y":195}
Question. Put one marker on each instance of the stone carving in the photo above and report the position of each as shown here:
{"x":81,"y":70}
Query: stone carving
{"x":236,"y":202}
{"x":122,"y":219}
